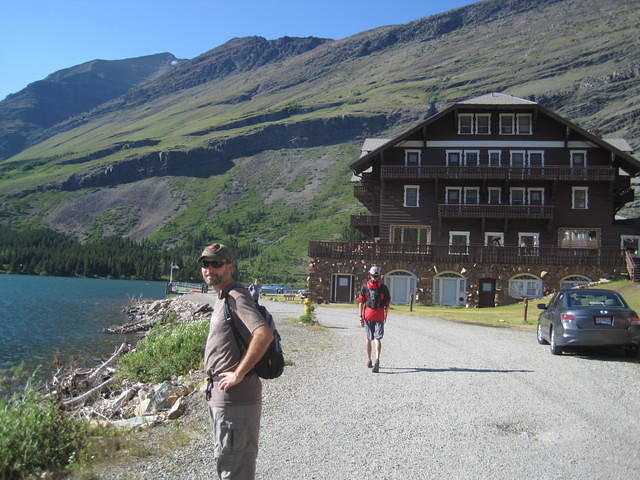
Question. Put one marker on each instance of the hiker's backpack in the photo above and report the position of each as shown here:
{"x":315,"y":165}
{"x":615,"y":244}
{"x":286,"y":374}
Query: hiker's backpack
{"x":271,"y":364}
{"x":372,"y":295}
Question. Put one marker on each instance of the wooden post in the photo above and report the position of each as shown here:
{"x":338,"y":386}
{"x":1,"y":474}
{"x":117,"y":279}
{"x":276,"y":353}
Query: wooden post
{"x":526,"y":306}
{"x":411,"y":301}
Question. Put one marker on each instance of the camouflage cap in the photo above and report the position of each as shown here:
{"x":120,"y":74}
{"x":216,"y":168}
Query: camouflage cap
{"x":217,"y":251}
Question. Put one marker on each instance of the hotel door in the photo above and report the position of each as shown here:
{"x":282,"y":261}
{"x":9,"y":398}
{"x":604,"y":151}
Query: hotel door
{"x":487,"y":292}
{"x":342,"y":288}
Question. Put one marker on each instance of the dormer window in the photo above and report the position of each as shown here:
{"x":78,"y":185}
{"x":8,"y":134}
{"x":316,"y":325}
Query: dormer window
{"x":465,"y":124}
{"x":507,"y":126}
{"x":516,"y":124}
{"x":523,"y":125}
{"x":483,"y":123}
{"x":412,"y":157}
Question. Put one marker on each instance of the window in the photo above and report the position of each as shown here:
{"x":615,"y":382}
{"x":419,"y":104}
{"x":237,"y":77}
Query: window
{"x":574,"y":281}
{"x":529,"y":243}
{"x":495,"y":158}
{"x":472,"y":157}
{"x":412,"y":157}
{"x":578,"y":238}
{"x":471,"y":195}
{"x":578,"y":158}
{"x":494,"y":239}
{"x":453,"y":195}
{"x":483,"y":123}
{"x":525,"y":286}
{"x":535,"y":158}
{"x":465,"y":123}
{"x":630,"y":243}
{"x":459,"y":243}
{"x":523,"y":124}
{"x":517,"y":158}
{"x":517,"y":196}
{"x":411,"y":195}
{"x":536,"y":196}
{"x":417,"y":235}
{"x":454,"y":158}
{"x":580,"y":198}
{"x":495,"y":194}
{"x":507,"y":124}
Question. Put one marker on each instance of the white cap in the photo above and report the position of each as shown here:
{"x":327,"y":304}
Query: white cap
{"x":374,"y":270}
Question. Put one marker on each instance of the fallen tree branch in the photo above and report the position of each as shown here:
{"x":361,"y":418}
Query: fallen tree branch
{"x":73,"y":401}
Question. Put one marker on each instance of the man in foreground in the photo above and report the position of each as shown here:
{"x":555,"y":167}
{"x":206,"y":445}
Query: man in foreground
{"x":234,"y":391}
{"x":374,"y":302}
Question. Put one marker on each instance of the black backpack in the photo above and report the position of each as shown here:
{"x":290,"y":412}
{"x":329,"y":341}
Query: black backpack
{"x":271,"y":364}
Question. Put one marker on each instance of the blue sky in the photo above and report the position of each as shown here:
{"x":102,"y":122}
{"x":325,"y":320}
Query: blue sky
{"x":39,"y":37}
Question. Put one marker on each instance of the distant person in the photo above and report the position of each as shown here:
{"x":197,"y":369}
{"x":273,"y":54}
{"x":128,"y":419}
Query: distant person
{"x":234,"y":391}
{"x":254,"y":289}
{"x":374,"y":302}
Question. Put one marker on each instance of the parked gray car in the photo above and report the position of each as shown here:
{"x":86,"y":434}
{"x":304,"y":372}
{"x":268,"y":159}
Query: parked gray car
{"x":588,"y":317}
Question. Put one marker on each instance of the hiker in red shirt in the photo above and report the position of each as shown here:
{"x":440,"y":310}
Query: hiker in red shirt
{"x":374,"y":302}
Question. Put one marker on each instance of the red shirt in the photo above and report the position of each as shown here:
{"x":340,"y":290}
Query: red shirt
{"x":374,"y":314}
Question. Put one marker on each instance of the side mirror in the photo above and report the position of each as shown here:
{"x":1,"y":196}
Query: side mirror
{"x":542,"y":306}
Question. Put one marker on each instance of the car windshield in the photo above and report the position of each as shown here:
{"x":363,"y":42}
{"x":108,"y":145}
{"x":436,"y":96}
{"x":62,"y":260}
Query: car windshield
{"x":598,"y":299}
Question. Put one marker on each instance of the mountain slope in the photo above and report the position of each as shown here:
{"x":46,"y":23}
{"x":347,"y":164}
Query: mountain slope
{"x":65,"y":93}
{"x":275,"y":123}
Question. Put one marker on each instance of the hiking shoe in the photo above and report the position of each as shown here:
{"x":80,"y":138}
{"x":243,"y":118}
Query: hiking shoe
{"x":376,"y":367}
{"x":369,"y":364}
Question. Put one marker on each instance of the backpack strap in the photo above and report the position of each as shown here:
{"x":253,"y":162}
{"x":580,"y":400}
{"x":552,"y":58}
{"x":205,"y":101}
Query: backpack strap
{"x":242,"y":345}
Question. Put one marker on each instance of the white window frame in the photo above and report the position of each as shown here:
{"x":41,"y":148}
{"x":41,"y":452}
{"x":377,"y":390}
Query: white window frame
{"x":529,"y":190}
{"x":471,"y":189}
{"x":530,"y":118}
{"x":464,"y":251}
{"x":499,"y":153}
{"x":409,"y":151}
{"x":572,"y":281}
{"x":527,"y":284}
{"x":424,"y":233}
{"x":524,"y":158}
{"x":489,"y":235}
{"x":518,"y":189}
{"x":513,"y":124}
{"x":526,"y":250}
{"x":469,"y":116}
{"x":488,"y":117}
{"x":493,"y":189}
{"x":586,"y":231}
{"x":529,"y":152}
{"x":586,"y":198}
{"x":477,"y":153}
{"x":460,"y":195}
{"x":412,"y":187}
{"x":460,"y":156}
{"x":573,"y":154}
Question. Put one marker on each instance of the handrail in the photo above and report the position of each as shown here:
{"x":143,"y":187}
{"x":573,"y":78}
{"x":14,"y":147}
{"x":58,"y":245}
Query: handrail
{"x":495,"y":211}
{"x":508,"y":254}
{"x":591,"y":173}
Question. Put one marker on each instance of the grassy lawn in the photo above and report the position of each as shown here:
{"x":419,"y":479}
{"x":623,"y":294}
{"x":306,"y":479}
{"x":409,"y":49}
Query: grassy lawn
{"x":510,"y":315}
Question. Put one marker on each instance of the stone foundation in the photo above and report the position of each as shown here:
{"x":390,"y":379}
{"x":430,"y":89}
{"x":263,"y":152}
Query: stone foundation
{"x":321,"y":270}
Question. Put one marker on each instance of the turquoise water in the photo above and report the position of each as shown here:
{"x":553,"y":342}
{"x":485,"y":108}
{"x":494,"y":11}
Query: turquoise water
{"x":43,"y":319}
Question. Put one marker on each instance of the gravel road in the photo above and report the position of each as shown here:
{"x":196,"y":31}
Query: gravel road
{"x":451,"y":401}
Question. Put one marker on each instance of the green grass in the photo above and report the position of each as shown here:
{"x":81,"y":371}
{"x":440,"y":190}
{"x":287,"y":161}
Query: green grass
{"x":169,"y":350}
{"x":35,"y":436}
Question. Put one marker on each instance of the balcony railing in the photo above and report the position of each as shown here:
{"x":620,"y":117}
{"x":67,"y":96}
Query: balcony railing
{"x":595,"y":173}
{"x":495,"y":211}
{"x":444,"y":253}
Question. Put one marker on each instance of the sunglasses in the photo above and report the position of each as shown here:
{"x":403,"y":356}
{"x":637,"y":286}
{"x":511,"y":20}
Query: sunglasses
{"x":212,"y":264}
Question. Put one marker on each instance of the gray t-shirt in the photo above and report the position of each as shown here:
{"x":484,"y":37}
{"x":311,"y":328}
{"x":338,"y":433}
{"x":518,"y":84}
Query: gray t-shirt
{"x":222,"y":353}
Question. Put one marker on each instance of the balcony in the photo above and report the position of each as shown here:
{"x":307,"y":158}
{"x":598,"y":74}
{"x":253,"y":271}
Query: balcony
{"x":368,"y":197}
{"x":587,"y":174}
{"x":480,"y":254}
{"x":544,"y":212}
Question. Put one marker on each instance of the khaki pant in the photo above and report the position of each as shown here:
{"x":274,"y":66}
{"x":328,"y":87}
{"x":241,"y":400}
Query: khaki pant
{"x":235,"y":431}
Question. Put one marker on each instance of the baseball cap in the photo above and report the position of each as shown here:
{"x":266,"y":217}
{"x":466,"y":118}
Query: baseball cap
{"x":374,"y":270}
{"x":217,"y":251}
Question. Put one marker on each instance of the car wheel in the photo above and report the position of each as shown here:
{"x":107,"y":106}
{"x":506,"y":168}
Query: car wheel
{"x":555,"y":348}
{"x":541,"y":339}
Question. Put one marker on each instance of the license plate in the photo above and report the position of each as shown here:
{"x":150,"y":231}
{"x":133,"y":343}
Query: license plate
{"x":604,"y":320}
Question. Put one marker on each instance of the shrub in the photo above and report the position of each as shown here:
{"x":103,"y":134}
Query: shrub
{"x":167,"y":351}
{"x":35,"y":436}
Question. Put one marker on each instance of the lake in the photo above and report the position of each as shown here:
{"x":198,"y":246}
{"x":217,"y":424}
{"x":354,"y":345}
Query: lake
{"x":47,"y":318}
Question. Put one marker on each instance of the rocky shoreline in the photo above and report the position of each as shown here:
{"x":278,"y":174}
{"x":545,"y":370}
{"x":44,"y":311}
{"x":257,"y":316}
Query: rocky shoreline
{"x":92,"y":393}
